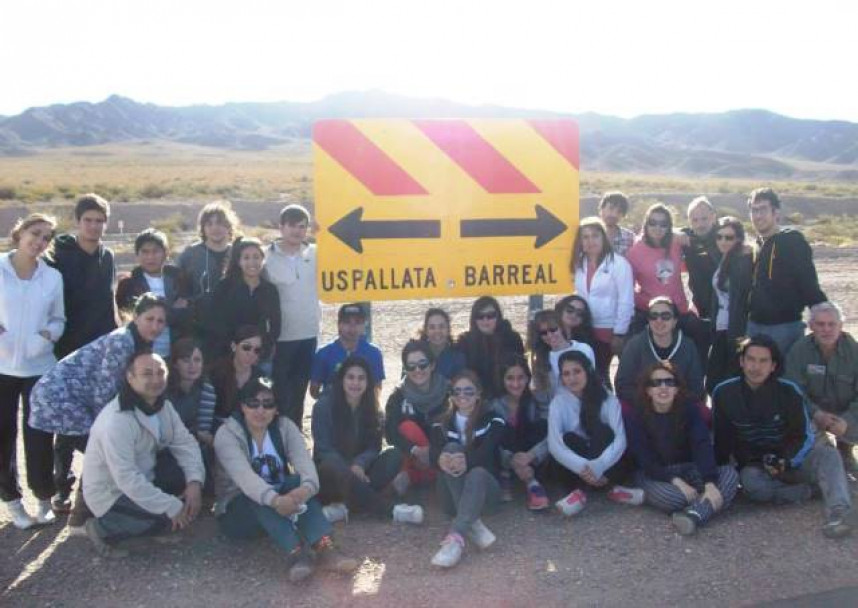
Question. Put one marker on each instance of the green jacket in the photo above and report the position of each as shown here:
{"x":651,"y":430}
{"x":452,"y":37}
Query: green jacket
{"x":830,"y":386}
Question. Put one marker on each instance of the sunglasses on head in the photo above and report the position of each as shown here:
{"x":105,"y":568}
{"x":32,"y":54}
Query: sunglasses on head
{"x":487,"y":316}
{"x":668,"y":382}
{"x":547,"y":330}
{"x":658,"y":224}
{"x":266,"y":404}
{"x":725,"y":237}
{"x":421,"y":365}
{"x":250,"y":347}
{"x":664,"y":316}
{"x":465,"y":391}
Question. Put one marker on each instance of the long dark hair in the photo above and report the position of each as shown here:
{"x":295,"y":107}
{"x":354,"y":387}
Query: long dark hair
{"x":584,"y":332}
{"x":479,"y":408}
{"x":478,"y":305}
{"x":595,"y":392}
{"x":578,"y":258}
{"x":507,"y":363}
{"x":668,"y":234}
{"x":182,"y":348}
{"x":233,"y":270}
{"x":539,"y":350}
{"x":365,"y":417}
{"x":736,"y":251}
{"x":677,"y":409}
{"x":436,"y":312}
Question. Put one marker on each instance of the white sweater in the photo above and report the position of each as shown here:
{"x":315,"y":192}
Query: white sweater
{"x":611,"y":294}
{"x":564,"y":416}
{"x":295,"y":279}
{"x":26,"y":308}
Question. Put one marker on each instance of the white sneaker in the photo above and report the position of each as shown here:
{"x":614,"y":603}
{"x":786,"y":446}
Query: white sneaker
{"x":626,"y":496}
{"x":401,"y":483}
{"x":45,"y":513}
{"x":572,"y":504}
{"x":20,"y":518}
{"x":450,"y":552}
{"x":408,"y":514}
{"x":481,"y":536}
{"x":336,"y":511}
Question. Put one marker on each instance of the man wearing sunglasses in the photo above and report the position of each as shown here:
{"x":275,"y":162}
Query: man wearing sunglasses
{"x":120,"y":484}
{"x":351,"y":326}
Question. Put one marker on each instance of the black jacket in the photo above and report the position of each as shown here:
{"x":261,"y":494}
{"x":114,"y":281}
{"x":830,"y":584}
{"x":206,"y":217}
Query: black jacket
{"x":88,"y":293}
{"x":176,"y":286}
{"x":398,"y":410}
{"x":701,"y":259}
{"x":740,"y":275}
{"x":235,"y":305}
{"x":751,"y":423}
{"x":482,"y":451}
{"x":785,"y":280}
{"x":483,"y":354}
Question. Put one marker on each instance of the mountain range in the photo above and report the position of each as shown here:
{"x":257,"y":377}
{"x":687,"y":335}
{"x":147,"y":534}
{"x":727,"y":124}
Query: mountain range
{"x":739,"y":143}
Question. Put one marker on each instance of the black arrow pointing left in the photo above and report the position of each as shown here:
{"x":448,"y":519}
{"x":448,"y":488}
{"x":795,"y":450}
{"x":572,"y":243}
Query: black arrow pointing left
{"x":351,"y":229}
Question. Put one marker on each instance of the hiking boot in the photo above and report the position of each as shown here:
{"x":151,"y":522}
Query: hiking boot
{"x":408,"y":514}
{"x":20,"y":518}
{"x":450,"y":552}
{"x":572,"y":504}
{"x":837,"y":525}
{"x":537,"y":499}
{"x":336,"y":511}
{"x":401,"y":483}
{"x":61,"y":503}
{"x":685,"y":522}
{"x":79,"y":515}
{"x":302,"y":567}
{"x":331,"y":559}
{"x":626,"y":496}
{"x":481,"y":536}
{"x":101,"y":546}
{"x":45,"y":513}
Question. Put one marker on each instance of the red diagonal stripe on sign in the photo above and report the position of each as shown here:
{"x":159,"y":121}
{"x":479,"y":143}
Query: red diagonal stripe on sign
{"x":477,"y":157}
{"x":562,"y":135}
{"x":364,"y":159}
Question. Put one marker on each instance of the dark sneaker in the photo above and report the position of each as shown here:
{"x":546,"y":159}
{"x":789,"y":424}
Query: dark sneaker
{"x":685,"y":522}
{"x":61,"y":503}
{"x":838,"y":525}
{"x":331,"y":559}
{"x":302,"y":567}
{"x":99,"y":544}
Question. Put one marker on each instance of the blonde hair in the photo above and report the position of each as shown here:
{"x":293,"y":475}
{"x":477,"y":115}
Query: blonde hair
{"x":34,"y":218}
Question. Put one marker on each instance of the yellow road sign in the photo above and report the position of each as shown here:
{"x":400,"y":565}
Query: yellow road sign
{"x":413,"y":209}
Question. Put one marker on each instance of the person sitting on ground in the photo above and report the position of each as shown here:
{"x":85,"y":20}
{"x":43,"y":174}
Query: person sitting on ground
{"x":761,"y":421}
{"x":547,"y":344}
{"x":576,"y":319}
{"x":466,"y":449}
{"x":229,"y":374}
{"x":674,"y":453}
{"x":524,"y":450}
{"x":586,"y":436}
{"x":824,"y":364}
{"x":489,"y":338}
{"x":350,"y":340}
{"x":119,"y":481}
{"x":436,"y":331}
{"x":662,"y":340}
{"x":153,"y":275}
{"x":266,"y":484}
{"x":418,"y":400}
{"x":355,"y":474}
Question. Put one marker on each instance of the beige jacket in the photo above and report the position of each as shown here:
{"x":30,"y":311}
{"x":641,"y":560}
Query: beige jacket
{"x":120,"y":459}
{"x":234,"y":475}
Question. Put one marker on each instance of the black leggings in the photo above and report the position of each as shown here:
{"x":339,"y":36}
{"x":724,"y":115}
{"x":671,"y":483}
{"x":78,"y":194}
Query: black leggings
{"x":339,"y":484}
{"x":600,"y":438}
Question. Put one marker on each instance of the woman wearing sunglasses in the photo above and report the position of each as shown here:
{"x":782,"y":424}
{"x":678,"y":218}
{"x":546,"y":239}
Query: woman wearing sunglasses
{"x":229,"y":374}
{"x":547,"y":343}
{"x":576,"y":320}
{"x":436,"y":331}
{"x":604,"y":280}
{"x":586,"y":436}
{"x":466,"y":450}
{"x":266,"y":485}
{"x":356,"y":475}
{"x":662,"y":340}
{"x":672,"y":446}
{"x":410,"y":410}
{"x":731,"y":283}
{"x":489,"y":338}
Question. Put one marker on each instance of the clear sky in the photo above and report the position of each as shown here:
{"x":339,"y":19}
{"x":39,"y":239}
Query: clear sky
{"x":621,"y":58}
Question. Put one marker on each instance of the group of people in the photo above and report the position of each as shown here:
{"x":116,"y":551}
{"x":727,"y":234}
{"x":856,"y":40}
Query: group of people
{"x":178,"y":382}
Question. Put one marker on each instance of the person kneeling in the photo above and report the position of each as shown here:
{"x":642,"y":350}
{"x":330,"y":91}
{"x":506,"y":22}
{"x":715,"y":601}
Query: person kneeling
{"x":256,"y":493}
{"x":119,"y":483}
{"x":671,"y":444}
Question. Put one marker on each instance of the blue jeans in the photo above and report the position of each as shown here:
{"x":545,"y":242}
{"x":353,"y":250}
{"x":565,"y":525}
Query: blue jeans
{"x":245,"y":519}
{"x":784,"y":334}
{"x":126,"y":520}
{"x":291,"y":375}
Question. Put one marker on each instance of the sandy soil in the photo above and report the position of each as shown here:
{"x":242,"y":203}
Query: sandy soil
{"x":610,"y":554}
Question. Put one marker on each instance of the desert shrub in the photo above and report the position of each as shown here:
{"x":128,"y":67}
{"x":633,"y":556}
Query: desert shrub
{"x":8,"y":193}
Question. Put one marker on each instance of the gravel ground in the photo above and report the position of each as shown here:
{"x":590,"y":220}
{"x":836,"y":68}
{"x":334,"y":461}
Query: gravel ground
{"x":610,"y":554}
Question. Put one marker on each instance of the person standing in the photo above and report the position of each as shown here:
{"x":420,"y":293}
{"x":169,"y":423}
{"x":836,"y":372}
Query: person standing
{"x":701,"y":257}
{"x":613,"y":207}
{"x":32,"y":319}
{"x":88,"y":272}
{"x":291,"y":267}
{"x":785,"y":279}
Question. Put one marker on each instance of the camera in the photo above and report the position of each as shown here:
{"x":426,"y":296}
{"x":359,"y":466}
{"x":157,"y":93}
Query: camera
{"x":774,"y":462}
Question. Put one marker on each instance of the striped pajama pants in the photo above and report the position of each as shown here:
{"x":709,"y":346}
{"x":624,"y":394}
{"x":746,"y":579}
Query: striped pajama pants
{"x":666,"y":497}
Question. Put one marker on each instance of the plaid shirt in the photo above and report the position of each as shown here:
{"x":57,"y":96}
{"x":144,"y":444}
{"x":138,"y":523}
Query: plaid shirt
{"x":623,"y":241}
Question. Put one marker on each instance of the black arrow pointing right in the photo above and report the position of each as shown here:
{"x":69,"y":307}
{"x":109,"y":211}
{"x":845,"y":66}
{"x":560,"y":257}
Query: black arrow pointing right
{"x":545,"y":227}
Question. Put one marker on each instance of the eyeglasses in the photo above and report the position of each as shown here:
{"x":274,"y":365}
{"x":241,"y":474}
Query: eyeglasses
{"x":664,"y":316}
{"x":466,"y":391}
{"x":725,"y":237}
{"x":487,"y":316}
{"x":574,"y":310}
{"x":547,"y":330}
{"x":250,"y":347}
{"x":266,"y":404}
{"x":658,"y":224}
{"x":421,"y":365}
{"x":668,"y":382}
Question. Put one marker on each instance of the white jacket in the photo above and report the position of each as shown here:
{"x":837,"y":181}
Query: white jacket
{"x":26,"y":308}
{"x":611,"y":295}
{"x":564,"y":416}
{"x":295,"y":280}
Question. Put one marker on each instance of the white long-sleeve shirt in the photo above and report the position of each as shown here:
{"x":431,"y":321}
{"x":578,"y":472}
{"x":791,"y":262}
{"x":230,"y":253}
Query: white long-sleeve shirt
{"x":611,"y":294}
{"x":564,"y":416}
